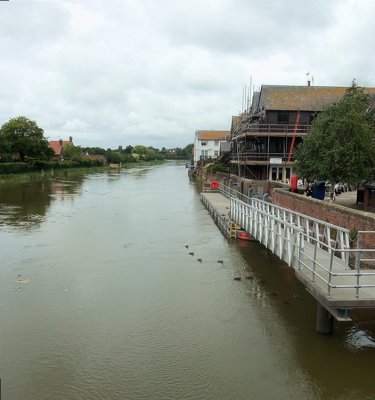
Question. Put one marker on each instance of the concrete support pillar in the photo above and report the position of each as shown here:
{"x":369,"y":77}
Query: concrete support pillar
{"x":324,"y":321}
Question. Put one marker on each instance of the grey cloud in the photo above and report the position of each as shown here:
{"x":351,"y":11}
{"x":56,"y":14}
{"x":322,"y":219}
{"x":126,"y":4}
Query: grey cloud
{"x":146,"y":72}
{"x":247,"y":27}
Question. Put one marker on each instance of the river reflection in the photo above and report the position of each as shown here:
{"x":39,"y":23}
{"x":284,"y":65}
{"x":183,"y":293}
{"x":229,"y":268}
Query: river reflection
{"x":119,"y":295}
{"x":24,"y":205}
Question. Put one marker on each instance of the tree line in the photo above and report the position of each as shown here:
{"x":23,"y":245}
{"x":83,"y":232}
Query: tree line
{"x":22,"y":141}
{"x":137,"y":153}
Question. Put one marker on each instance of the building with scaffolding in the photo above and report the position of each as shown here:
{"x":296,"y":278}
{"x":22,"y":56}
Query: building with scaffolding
{"x":264,"y":137}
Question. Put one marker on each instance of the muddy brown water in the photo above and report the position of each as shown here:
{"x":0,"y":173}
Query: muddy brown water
{"x":100,"y":299}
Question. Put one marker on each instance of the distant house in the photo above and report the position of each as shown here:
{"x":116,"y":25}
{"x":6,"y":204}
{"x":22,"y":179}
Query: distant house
{"x":207,"y":144}
{"x":99,"y":157}
{"x":58,"y":146}
{"x":264,"y":139}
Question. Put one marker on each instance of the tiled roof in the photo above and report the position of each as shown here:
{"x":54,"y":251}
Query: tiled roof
{"x":302,"y":98}
{"x":212,"y":135}
{"x":58,"y":145}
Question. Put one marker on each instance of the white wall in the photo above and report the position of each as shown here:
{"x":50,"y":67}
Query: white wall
{"x":206,"y":149}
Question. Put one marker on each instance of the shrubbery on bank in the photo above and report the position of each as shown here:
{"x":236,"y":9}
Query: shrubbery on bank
{"x":38,"y":165}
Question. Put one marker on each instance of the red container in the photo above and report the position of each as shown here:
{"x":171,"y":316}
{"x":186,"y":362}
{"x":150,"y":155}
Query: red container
{"x":244,"y":236}
{"x":214,"y":185}
{"x":293,"y":183}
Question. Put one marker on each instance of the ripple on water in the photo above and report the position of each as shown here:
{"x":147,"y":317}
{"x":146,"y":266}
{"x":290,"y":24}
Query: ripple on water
{"x":360,"y":339}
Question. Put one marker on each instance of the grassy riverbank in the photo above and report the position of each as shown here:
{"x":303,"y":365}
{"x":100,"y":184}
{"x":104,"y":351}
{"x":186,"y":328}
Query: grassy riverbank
{"x":69,"y":172}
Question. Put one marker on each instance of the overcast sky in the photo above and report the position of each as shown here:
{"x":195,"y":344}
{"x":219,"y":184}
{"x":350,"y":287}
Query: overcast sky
{"x":152,"y":72}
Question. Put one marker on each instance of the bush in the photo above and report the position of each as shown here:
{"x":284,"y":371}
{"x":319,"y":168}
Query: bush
{"x":15,"y":168}
{"x":6,"y":158}
{"x":217,"y":168}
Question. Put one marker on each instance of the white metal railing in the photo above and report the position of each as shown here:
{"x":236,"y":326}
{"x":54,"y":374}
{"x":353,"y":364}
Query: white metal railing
{"x":276,"y":233}
{"x":308,"y":244}
{"x":329,"y":273}
{"x":334,"y":236}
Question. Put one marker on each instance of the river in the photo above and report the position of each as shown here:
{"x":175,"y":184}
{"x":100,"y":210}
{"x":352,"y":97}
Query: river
{"x":100,"y":299}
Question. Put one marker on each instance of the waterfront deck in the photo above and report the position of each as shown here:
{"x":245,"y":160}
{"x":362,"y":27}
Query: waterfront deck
{"x":339,"y":277}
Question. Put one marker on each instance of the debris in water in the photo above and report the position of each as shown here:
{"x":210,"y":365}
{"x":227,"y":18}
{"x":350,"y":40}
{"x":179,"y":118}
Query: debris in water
{"x":20,"y":279}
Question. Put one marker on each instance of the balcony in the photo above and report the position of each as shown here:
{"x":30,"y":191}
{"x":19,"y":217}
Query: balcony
{"x":281,"y":130}
{"x":257,"y":158}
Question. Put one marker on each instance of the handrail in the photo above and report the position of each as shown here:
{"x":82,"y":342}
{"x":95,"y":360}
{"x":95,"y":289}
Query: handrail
{"x":357,"y":273}
{"x":285,"y":231}
{"x":306,"y":243}
{"x":285,"y":128}
{"x":312,"y":219}
{"x":260,"y":156}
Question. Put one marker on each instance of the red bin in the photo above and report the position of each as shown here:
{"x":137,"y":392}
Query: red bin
{"x":293,"y":183}
{"x":214,"y":185}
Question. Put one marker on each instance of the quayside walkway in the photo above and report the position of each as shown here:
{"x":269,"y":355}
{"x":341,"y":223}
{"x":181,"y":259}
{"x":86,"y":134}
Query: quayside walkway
{"x":337,"y":271}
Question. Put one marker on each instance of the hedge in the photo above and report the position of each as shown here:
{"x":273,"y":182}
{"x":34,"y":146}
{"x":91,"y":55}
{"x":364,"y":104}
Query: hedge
{"x":15,"y":168}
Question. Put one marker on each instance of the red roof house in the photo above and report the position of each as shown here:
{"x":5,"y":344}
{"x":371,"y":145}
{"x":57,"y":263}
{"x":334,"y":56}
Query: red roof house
{"x":58,"y":146}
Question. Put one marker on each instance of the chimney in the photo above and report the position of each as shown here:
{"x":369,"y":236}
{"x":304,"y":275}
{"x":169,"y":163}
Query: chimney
{"x":308,"y":83}
{"x":61,"y":142}
{"x":70,"y":139}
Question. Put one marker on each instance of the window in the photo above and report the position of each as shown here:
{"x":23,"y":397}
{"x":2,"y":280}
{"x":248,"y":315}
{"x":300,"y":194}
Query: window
{"x":216,"y":143}
{"x":287,"y":173}
{"x":204,"y":143}
{"x":283,"y":117}
{"x":216,"y":153}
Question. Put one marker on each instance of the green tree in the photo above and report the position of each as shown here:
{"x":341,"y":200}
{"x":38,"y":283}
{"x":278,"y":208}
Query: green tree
{"x":94,"y":150}
{"x":71,"y":152}
{"x":23,"y":137}
{"x":140,"y":150}
{"x":340,"y":145}
{"x":189,"y":150}
{"x":113,"y":156}
{"x":128,"y":149}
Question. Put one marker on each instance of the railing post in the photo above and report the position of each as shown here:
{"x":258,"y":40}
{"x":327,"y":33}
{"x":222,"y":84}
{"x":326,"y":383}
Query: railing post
{"x":330,"y":275}
{"x":358,"y":269}
{"x":300,"y":246}
{"x":314,"y":262}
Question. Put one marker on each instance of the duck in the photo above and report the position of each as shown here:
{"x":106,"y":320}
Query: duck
{"x":191,"y":253}
{"x":220,"y":261}
{"x":199,"y":260}
{"x":237,"y":278}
